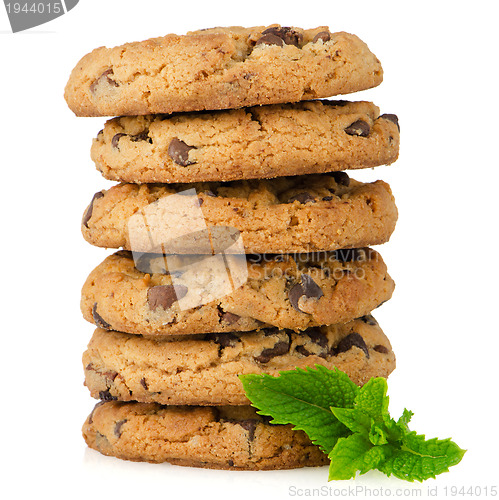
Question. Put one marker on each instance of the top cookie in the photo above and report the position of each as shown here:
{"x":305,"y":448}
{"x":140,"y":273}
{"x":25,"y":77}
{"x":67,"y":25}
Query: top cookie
{"x":220,"y":68}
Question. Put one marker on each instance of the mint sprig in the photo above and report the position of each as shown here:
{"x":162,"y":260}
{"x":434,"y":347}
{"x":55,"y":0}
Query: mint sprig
{"x":350,"y":424}
{"x":304,"y":398}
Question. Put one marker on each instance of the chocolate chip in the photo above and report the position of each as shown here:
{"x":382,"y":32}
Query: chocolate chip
{"x":143,"y":136}
{"x":302,"y":350}
{"x":270,"y":39}
{"x":317,"y":337}
{"x":249,"y":425}
{"x":327,"y":198}
{"x":334,"y":102}
{"x":106,"y":396}
{"x":98,"y":319}
{"x":270,"y":331}
{"x":165,"y":295}
{"x":116,"y":139}
{"x":223,"y":339}
{"x":360,"y":128}
{"x":308,"y":288}
{"x":325,"y":36}
{"x":381,"y":348}
{"x":351,"y":340}
{"x":292,"y":37}
{"x":107,"y":74}
{"x":295,"y":292}
{"x":179,"y":152}
{"x":280,"y":348}
{"x":305,"y":352}
{"x":288,"y":35}
{"x":229,"y":318}
{"x":231,"y":463}
{"x":341,"y":178}
{"x":392,"y":118}
{"x":143,"y":383}
{"x":88,"y":213}
{"x":117,"y":428}
{"x":348,"y":254}
{"x":368,"y":319}
{"x":302,"y":198}
{"x":110,"y":375}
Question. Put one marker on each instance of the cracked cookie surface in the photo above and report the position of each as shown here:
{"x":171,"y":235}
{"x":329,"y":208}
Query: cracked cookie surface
{"x":220,"y":68}
{"x":178,"y":295}
{"x":258,"y":142}
{"x":234,"y":437}
{"x":204,"y":369}
{"x":311,"y":213}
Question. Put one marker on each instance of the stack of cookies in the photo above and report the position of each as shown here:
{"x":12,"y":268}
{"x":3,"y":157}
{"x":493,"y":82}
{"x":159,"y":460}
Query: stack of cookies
{"x":243,"y":244}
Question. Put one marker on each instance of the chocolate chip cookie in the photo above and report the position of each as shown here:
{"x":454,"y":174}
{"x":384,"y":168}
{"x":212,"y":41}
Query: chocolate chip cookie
{"x":204,"y":369}
{"x":289,"y":214}
{"x":220,"y":68}
{"x":233,"y":437}
{"x":191,"y":294}
{"x":249,"y":143}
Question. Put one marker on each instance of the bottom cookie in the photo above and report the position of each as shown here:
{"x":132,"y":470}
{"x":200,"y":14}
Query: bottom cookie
{"x":222,"y":437}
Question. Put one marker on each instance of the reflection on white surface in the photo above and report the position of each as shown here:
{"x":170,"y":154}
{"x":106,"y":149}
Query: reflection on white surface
{"x":205,"y":481}
{"x":308,"y":482}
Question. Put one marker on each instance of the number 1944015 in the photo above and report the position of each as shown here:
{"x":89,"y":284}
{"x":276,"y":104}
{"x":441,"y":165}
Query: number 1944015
{"x":34,"y":8}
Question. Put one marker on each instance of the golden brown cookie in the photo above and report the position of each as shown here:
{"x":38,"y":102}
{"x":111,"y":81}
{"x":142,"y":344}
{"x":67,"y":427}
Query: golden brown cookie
{"x":250,"y":143}
{"x":204,"y":369}
{"x":311,"y":213}
{"x":191,"y":294}
{"x":233,"y":437}
{"x":220,"y":68}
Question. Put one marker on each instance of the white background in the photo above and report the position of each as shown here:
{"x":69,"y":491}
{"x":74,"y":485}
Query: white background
{"x":440,"y":63}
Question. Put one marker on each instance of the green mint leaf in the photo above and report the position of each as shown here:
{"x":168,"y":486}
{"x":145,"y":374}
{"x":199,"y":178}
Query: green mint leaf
{"x":403,"y":421}
{"x":419,"y":459}
{"x":378,"y":434}
{"x":359,"y":422}
{"x":393,"y":430}
{"x":355,"y":420}
{"x":351,"y":424}
{"x":353,"y":454}
{"x":303,"y":397}
{"x":373,"y":401}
